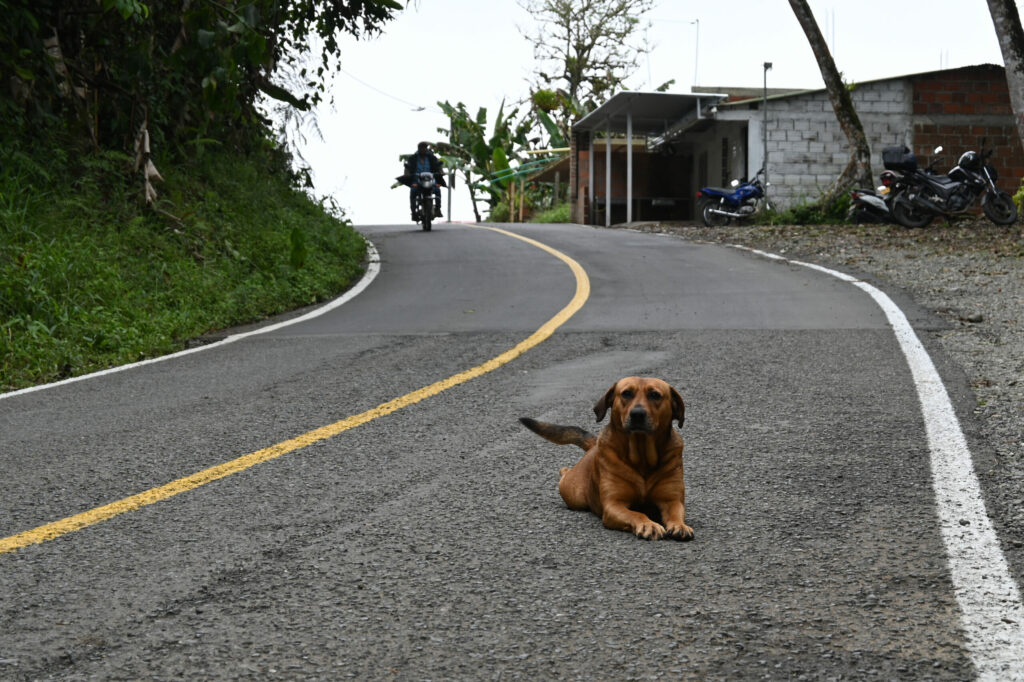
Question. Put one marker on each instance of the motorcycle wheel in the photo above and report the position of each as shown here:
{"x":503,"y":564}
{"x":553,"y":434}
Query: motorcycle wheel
{"x":426,"y":212}
{"x":908,"y":215}
{"x":860,"y":216}
{"x":712,"y":219}
{"x":999,"y":208}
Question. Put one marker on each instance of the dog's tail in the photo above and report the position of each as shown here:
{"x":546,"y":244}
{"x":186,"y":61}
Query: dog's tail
{"x":561,"y":435}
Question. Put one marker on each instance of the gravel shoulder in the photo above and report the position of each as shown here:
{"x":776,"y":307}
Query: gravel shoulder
{"x":971,"y":274}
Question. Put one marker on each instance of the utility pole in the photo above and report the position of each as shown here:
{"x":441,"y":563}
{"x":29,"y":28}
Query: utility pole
{"x":451,"y":186}
{"x":764,"y":129}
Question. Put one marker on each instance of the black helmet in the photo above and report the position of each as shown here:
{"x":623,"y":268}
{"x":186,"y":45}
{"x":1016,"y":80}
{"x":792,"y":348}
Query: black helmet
{"x":970,"y":161}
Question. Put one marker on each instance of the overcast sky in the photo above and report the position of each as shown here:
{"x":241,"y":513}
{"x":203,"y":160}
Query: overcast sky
{"x":473,"y":51}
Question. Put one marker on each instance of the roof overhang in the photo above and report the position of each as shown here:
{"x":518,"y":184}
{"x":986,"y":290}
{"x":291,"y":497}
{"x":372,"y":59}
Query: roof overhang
{"x":559,"y":168}
{"x":652,"y":113}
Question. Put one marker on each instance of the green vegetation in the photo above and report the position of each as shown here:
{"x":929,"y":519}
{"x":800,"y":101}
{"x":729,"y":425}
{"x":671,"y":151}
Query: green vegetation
{"x":144,"y":198}
{"x":1018,"y":198}
{"x":585,"y":49}
{"x":556,"y":214}
{"x":537,"y":205}
{"x":90,"y":278}
{"x":589,"y":48}
{"x":811,"y":213}
{"x":189,"y":72}
{"x":479,"y":156}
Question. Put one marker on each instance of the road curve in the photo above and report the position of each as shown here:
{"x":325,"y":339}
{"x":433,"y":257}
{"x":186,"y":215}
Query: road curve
{"x":431,"y":544}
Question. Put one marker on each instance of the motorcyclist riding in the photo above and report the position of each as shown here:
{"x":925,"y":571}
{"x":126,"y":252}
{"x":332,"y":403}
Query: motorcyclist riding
{"x":423,"y":161}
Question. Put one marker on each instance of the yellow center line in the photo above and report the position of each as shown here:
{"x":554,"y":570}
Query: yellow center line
{"x":70,"y":524}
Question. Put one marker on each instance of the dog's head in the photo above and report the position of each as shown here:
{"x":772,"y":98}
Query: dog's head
{"x":642,"y":405}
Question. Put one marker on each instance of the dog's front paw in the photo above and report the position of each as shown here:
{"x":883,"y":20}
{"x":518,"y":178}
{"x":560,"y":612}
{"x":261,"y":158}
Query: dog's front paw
{"x":680,"y":532}
{"x":649,"y":530}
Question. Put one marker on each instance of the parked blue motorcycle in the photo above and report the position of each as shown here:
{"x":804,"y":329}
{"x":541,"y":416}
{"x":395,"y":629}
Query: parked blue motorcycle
{"x":719,"y":206}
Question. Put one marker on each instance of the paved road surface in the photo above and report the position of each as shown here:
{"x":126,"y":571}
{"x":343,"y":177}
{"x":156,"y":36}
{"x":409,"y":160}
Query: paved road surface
{"x":431,"y":543}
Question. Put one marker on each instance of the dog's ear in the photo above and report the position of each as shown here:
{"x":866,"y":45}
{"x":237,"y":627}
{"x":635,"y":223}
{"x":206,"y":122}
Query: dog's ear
{"x":602,"y":405}
{"x":678,"y":406}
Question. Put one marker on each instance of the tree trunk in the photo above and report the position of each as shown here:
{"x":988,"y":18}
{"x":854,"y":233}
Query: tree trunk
{"x":858,"y":170}
{"x":1011,"y":42}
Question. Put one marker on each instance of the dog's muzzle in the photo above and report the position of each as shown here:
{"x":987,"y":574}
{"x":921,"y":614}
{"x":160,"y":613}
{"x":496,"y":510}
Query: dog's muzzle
{"x":639,"y":421}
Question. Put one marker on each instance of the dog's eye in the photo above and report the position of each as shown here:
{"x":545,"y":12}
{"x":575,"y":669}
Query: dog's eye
{"x":627,"y":394}
{"x":653,"y":395}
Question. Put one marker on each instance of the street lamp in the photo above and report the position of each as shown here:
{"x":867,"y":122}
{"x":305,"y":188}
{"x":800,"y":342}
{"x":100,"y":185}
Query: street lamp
{"x":764,"y":129}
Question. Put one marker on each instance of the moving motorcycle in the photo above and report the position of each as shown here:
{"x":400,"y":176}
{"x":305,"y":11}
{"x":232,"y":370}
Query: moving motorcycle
{"x":719,"y":206}
{"x":425,"y":201}
{"x":928,"y":194}
{"x":875,"y":205}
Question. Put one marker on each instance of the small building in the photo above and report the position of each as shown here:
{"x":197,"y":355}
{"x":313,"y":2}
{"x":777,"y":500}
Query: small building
{"x":664,"y":147}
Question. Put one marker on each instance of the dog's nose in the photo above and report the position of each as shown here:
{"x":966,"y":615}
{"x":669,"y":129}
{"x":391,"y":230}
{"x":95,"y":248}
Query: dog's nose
{"x":638,"y":417}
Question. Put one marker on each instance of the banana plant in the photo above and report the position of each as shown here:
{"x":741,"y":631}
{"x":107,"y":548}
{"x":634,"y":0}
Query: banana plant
{"x":481,"y":155}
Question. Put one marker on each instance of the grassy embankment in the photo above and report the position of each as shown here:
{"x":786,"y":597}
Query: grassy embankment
{"x":91,"y":278}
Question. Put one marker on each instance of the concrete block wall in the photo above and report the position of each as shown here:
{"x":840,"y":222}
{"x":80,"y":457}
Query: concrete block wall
{"x":955,"y":108}
{"x":807,"y":149}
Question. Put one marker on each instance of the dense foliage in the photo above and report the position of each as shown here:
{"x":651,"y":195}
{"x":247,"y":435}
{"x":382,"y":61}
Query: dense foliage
{"x":90,"y":279}
{"x":191,"y":70}
{"x":95,"y":269}
{"x":480,"y":156}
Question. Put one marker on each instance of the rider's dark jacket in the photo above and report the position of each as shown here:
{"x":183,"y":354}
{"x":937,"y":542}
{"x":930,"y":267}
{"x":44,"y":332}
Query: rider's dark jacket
{"x":410,"y":163}
{"x":410,"y":168}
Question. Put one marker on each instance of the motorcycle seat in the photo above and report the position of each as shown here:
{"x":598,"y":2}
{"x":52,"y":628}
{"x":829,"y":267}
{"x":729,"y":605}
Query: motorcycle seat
{"x":719,"y":190}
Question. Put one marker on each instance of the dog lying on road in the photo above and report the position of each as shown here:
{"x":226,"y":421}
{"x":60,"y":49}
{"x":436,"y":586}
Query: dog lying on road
{"x":634,"y":467}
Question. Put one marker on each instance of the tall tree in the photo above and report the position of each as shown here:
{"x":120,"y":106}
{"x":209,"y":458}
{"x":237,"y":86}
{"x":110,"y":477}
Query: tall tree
{"x":584,"y":50}
{"x":858,"y":170}
{"x":186,"y":70}
{"x":1006,"y":19}
{"x":166,"y":76}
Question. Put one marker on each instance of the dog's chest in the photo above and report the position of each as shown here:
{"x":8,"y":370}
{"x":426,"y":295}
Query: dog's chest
{"x":643,"y":451}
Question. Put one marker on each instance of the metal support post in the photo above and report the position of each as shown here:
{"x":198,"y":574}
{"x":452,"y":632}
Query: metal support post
{"x":608,"y":174}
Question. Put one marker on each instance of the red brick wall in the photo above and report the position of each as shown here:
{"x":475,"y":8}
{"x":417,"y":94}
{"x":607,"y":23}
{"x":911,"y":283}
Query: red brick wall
{"x":970,"y":90}
{"x":960,"y":108}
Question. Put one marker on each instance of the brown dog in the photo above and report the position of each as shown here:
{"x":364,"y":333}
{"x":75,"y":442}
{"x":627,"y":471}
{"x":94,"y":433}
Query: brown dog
{"x":634,"y":466}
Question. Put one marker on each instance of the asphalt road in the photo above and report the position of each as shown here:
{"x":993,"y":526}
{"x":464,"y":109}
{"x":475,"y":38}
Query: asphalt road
{"x":431,"y":544}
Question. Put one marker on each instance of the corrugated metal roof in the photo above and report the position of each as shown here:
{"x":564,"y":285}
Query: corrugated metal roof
{"x":653,"y":113}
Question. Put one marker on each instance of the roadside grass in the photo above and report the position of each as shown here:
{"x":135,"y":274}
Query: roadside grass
{"x":556,"y":214}
{"x":809,"y":213}
{"x":90,"y":278}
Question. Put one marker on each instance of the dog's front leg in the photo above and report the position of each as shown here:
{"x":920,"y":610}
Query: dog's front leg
{"x":673,"y":513}
{"x":618,"y":516}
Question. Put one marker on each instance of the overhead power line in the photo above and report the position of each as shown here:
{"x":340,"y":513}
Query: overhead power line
{"x":411,"y":105}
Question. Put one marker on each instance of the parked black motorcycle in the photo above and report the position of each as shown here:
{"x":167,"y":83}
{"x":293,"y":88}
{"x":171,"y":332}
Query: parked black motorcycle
{"x":928,"y":194}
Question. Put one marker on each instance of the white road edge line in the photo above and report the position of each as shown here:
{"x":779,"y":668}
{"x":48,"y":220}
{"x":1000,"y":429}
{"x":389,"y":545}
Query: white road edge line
{"x":991,"y":613}
{"x":372,"y":269}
